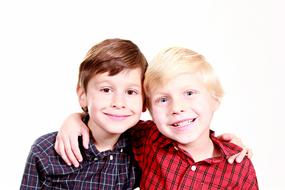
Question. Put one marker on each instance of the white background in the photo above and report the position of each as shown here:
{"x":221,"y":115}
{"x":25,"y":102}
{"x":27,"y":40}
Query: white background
{"x":42,"y":44}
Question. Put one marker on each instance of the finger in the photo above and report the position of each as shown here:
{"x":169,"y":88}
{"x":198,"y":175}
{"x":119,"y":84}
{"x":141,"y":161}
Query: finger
{"x":241,"y":155}
{"x":61,"y":152}
{"x":237,"y":141}
{"x":232,"y":158}
{"x":75,"y":149}
{"x":226,"y":137}
{"x":56,"y":146}
{"x":69,"y":152}
{"x":85,"y":136}
{"x":249,"y":153}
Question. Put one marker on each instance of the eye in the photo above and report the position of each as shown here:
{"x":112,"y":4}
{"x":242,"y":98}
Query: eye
{"x":162,"y":100}
{"x":105,"y":90}
{"x":189,"y":92}
{"x":132,"y":92}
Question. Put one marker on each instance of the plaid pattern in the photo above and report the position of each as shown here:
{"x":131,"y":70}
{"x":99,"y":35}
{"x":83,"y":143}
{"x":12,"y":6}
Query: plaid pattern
{"x":165,"y":166}
{"x":114,"y":169}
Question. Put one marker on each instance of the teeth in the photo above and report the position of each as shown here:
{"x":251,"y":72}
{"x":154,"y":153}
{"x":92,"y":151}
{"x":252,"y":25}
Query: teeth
{"x":180,"y":124}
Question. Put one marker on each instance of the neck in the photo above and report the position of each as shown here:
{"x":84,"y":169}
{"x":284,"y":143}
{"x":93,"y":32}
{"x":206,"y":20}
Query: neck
{"x":102,"y":139}
{"x":202,"y":148}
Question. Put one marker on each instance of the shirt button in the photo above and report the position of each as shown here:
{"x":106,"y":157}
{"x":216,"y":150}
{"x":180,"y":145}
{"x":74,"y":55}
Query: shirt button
{"x":193,"y":168}
{"x":175,"y":147}
{"x":111,"y":157}
{"x":121,"y":150}
{"x":95,"y":158}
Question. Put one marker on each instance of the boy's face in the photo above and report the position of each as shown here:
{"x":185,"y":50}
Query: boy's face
{"x":114,"y":102}
{"x":182,"y":109}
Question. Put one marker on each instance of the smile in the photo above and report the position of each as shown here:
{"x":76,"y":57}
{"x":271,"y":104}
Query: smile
{"x":184,"y":123}
{"x":117,"y":116}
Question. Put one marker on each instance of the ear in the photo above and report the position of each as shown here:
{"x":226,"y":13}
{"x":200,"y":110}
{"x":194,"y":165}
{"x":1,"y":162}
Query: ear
{"x":216,"y":102}
{"x":81,"y":96}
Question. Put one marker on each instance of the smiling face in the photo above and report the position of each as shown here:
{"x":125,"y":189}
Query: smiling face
{"x":114,"y":102}
{"x":182,"y":109}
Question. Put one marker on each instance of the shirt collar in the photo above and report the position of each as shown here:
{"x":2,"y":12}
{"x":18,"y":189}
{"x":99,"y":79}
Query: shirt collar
{"x":122,"y":145}
{"x":227,"y":149}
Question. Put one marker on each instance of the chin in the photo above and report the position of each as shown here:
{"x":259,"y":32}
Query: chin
{"x":122,"y":130}
{"x":118,"y":130}
{"x":184,"y":141}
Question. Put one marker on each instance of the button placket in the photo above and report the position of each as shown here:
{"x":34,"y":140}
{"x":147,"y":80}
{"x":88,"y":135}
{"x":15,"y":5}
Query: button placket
{"x":193,"y":168}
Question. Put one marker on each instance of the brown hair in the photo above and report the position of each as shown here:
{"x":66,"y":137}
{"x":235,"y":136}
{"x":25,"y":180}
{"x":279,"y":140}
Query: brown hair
{"x":112,"y":56}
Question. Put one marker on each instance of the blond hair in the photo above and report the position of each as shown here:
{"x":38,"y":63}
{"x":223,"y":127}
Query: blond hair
{"x":174,"y":61}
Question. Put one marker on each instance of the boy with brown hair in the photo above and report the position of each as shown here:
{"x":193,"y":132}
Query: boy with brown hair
{"x":110,"y":93}
{"x":178,"y":150}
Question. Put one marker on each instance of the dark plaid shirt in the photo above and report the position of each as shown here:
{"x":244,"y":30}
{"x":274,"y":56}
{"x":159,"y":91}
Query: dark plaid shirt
{"x":166,"y":166}
{"x":112,"y":170}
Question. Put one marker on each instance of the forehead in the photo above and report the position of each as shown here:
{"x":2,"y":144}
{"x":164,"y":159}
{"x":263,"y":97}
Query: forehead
{"x":126,"y":76}
{"x":179,"y":82}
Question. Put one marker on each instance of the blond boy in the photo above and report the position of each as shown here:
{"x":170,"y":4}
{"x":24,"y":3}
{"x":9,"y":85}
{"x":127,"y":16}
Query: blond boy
{"x":183,"y":93}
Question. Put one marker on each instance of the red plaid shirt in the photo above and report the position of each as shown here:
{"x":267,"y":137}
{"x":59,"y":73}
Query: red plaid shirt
{"x":165,"y":166}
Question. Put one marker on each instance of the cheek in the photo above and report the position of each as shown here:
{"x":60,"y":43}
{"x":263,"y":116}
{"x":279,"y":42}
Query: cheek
{"x":201,"y":105}
{"x":135,"y":103}
{"x":91,"y":107}
{"x":96,"y":102}
{"x":205,"y":110}
{"x":158,"y":116}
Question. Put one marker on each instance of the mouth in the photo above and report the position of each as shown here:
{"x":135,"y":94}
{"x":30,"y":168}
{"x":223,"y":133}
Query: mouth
{"x":117,"y":116}
{"x":184,"y":123}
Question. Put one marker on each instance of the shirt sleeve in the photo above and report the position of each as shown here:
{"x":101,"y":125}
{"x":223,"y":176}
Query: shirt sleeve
{"x":139,"y":136}
{"x":33,"y":175}
{"x":250,"y":181}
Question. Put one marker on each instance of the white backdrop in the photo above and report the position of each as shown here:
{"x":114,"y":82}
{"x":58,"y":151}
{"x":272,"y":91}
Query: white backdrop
{"x":42,"y":44}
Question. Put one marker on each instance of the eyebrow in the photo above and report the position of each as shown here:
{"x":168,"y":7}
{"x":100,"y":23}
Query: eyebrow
{"x":112,"y":82}
{"x":159,"y":94}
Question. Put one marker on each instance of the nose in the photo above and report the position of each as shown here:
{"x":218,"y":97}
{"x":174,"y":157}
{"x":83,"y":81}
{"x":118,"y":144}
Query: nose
{"x":118,"y":101}
{"x":177,"y":107}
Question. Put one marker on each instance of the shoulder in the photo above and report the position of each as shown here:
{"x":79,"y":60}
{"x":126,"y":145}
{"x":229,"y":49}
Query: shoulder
{"x":145,"y":125}
{"x":227,"y":148}
{"x":46,"y":140}
{"x":246,"y":173}
{"x":143,"y":128}
{"x":45,"y":158}
{"x":44,"y":145}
